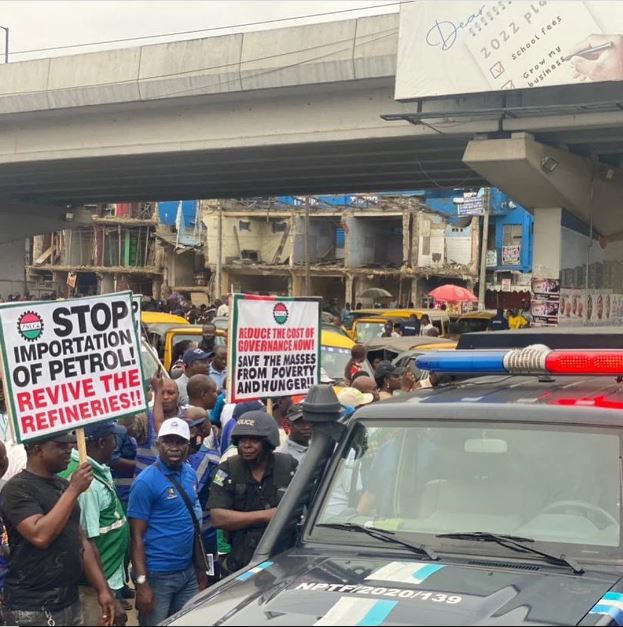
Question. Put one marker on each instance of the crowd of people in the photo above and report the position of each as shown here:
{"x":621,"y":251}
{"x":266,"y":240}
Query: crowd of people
{"x":177,"y":304}
{"x":85,"y":540}
{"x":193,"y":460}
{"x":513,"y":318}
{"x":169,"y":501}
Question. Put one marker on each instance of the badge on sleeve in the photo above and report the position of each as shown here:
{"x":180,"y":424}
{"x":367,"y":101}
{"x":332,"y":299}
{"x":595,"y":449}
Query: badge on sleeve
{"x":219,"y":477}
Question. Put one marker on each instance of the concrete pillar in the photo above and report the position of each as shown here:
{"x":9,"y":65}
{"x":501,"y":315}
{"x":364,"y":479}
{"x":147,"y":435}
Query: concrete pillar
{"x":348,"y":290}
{"x":547,"y":243}
{"x":107,"y":284}
{"x":416,"y":292}
{"x":298,"y":285}
{"x":156,"y":288}
{"x":225,"y":284}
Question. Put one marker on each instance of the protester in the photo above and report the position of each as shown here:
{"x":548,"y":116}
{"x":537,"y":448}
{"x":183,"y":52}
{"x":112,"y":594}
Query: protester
{"x":516,"y":320}
{"x":498,"y":322}
{"x":388,"y":379}
{"x":102,"y":516}
{"x":166,"y":405}
{"x":367,"y":385}
{"x":223,"y":309}
{"x":388,"y":330}
{"x":49,"y":551}
{"x":4,"y":539}
{"x":411,"y":327}
{"x":16,"y":454}
{"x":352,"y":397}
{"x":248,"y":487}
{"x":208,"y":338}
{"x":345,"y":312}
{"x":177,"y":355}
{"x":162,"y":528}
{"x":356,"y":362}
{"x":299,"y":432}
{"x":205,"y":458}
{"x":425,"y":325}
{"x":202,"y":392}
{"x":123,"y":462}
{"x":196,"y":361}
{"x":218,"y":367}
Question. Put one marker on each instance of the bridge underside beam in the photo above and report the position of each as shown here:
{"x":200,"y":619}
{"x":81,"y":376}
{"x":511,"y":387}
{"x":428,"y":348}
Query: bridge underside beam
{"x":537,"y":175}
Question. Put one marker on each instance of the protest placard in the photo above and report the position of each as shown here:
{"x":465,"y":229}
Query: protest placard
{"x":137,"y":302}
{"x":274,"y":346}
{"x":70,"y":363}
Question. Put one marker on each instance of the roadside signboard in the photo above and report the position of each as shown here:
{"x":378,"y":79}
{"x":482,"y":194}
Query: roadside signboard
{"x":274,"y":346}
{"x":70,"y":363}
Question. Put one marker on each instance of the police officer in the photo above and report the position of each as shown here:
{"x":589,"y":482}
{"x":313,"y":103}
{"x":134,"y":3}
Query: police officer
{"x":247,"y":487}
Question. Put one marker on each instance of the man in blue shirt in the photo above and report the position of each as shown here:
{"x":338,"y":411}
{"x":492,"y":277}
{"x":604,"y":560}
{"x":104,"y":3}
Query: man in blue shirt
{"x":218,"y":368}
{"x":162,"y":528}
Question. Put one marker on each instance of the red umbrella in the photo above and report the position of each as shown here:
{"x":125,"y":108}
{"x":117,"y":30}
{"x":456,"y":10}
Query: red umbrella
{"x":453,"y":294}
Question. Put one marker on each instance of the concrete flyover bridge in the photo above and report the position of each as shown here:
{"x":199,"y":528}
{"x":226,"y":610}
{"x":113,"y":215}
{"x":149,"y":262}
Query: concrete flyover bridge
{"x":293,"y":110}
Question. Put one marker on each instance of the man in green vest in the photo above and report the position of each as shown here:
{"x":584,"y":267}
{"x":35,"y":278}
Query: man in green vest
{"x":102,"y":517}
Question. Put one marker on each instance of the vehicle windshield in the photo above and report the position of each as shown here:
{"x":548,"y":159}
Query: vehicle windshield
{"x":369,"y":330}
{"x":333,"y":361}
{"x":472,"y":325}
{"x":149,"y":361}
{"x":181,"y":337}
{"x":555,"y":484}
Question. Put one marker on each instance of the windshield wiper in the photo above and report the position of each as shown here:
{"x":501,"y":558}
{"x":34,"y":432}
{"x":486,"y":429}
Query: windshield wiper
{"x":384,"y":535}
{"x":516,"y":543}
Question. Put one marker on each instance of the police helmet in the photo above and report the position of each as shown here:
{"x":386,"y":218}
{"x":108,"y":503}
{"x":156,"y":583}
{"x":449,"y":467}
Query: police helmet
{"x":256,"y":424}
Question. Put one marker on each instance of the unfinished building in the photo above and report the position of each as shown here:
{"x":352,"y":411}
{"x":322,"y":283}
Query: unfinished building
{"x":305,"y":245}
{"x":117,"y":252}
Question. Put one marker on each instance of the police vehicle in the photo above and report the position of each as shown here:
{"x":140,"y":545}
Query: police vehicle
{"x":495,"y":500}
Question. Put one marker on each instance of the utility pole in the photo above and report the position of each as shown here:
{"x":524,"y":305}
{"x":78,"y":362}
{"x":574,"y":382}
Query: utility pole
{"x":482,"y":283}
{"x":6,"y":43}
{"x":307,"y":275}
{"x":219,"y":252}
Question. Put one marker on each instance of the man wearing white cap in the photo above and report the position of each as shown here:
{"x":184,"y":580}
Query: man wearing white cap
{"x":163,"y":529}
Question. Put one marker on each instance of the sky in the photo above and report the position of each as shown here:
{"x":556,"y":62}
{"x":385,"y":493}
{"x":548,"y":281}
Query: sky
{"x":35,"y":24}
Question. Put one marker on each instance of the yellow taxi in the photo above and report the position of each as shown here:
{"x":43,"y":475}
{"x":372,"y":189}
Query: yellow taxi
{"x":365,"y":329}
{"x":189,"y":332}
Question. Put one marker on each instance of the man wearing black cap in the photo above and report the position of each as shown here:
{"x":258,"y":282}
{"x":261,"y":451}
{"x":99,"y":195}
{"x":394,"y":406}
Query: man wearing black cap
{"x":102,"y":514}
{"x":49,"y":551}
{"x":299,"y":433}
{"x":196,"y":361}
{"x":248,"y":487}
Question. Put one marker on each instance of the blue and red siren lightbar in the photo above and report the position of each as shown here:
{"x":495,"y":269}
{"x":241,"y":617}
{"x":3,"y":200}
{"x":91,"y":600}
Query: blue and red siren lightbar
{"x":532,"y":360}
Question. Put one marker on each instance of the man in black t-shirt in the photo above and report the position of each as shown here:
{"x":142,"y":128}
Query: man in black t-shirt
{"x":411,"y":326}
{"x":48,"y":548}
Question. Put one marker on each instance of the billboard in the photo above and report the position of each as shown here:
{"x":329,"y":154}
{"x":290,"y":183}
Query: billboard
{"x":461,"y":47}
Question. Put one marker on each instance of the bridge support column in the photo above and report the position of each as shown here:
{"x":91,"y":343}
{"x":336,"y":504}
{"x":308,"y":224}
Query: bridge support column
{"x":547,"y":252}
